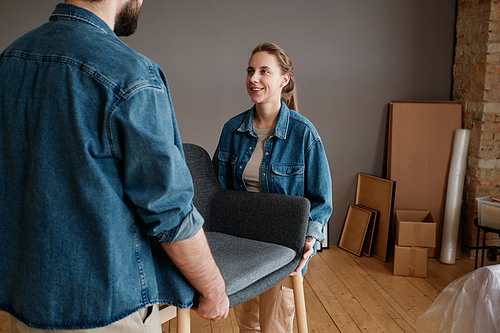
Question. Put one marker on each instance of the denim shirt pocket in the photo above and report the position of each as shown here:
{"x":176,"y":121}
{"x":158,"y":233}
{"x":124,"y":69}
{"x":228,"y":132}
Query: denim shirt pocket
{"x":288,"y":179}
{"x":226,"y":162}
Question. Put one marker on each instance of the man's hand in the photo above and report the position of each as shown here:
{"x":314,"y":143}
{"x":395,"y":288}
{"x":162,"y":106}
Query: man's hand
{"x":308,"y":252}
{"x":194,"y":259}
{"x":213,"y":309}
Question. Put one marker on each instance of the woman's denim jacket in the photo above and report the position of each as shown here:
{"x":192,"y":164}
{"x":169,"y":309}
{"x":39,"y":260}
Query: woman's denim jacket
{"x":294,"y":162}
{"x":92,"y":176}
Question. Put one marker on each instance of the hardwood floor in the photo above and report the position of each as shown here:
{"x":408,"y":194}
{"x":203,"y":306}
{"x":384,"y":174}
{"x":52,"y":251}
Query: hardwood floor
{"x":345,"y":293}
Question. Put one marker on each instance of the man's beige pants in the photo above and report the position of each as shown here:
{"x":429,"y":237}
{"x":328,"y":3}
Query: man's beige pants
{"x":143,"y":321}
{"x":270,"y":312}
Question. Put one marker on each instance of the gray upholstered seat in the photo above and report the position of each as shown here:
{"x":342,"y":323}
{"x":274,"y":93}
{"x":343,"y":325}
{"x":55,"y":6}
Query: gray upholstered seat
{"x":260,"y":259}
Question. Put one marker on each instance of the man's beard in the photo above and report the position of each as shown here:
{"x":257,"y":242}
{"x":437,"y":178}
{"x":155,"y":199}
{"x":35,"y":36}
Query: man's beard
{"x":126,"y":19}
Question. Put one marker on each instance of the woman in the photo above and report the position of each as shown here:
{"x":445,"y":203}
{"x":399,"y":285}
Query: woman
{"x":271,"y":148}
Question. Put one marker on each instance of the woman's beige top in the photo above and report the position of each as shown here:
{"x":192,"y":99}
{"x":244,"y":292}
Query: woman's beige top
{"x":251,"y":172}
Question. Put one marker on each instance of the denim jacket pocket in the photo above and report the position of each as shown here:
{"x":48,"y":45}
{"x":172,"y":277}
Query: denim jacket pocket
{"x":226,"y":161}
{"x":288,"y":179}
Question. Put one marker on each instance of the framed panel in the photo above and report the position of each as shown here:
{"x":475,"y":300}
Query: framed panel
{"x":353,"y":234}
{"x":378,"y":194}
{"x":370,"y":235}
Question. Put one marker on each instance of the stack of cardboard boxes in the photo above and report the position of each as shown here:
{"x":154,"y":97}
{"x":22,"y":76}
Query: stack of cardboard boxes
{"x":415,"y":234}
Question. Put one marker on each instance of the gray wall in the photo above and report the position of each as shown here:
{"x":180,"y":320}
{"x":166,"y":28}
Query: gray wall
{"x":352,"y":57}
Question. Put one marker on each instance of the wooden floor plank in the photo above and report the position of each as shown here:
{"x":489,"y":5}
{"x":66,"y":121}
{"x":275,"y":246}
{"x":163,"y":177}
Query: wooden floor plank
{"x":375,"y":290}
{"x":318,"y":319}
{"x":330,"y":302}
{"x":4,"y":319}
{"x":425,"y":287}
{"x":447,"y":272}
{"x":223,"y":326}
{"x":361,"y":289}
{"x":4,"y":322}
{"x":199,"y":325}
{"x":371,"y":267}
{"x":435,"y":280}
{"x":397,"y":289}
{"x":407,"y":296}
{"x":351,"y":305}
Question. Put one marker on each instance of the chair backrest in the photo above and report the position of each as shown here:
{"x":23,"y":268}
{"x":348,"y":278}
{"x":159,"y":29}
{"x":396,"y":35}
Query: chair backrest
{"x":204,"y":178}
{"x":217,"y":206}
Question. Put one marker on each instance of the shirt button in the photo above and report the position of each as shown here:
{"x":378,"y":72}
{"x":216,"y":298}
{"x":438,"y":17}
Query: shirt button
{"x":263,"y":174}
{"x":267,"y":153}
{"x":241,"y":167}
{"x":250,"y":148}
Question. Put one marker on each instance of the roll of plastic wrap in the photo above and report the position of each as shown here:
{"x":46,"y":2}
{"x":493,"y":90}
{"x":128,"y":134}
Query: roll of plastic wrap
{"x":454,"y":196}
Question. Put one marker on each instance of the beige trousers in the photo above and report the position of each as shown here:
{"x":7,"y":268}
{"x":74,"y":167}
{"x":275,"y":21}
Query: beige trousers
{"x":270,"y":312}
{"x":143,"y":321}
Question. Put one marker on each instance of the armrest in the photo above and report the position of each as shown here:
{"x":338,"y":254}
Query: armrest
{"x":267,"y":217}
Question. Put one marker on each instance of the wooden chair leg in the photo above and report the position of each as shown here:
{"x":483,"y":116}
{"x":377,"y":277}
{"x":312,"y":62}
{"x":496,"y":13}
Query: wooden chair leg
{"x":183,"y":320}
{"x":300,"y":303}
{"x":167,"y":312}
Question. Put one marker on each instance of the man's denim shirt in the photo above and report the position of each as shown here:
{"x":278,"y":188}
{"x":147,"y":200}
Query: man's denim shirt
{"x":92,"y":171}
{"x":294,"y":162}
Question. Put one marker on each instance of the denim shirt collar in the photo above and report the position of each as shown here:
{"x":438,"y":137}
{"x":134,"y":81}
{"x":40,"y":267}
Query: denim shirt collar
{"x":64,"y":11}
{"x":281,"y":128}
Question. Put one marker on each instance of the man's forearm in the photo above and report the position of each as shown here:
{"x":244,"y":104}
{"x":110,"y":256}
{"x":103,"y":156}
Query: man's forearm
{"x":194,"y":259}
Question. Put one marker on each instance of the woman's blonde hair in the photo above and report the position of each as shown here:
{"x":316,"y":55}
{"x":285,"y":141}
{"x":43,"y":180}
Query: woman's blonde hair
{"x":289,"y":92}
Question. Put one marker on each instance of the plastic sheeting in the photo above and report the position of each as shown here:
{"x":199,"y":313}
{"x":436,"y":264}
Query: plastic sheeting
{"x":469,"y":304}
{"x":454,"y":194}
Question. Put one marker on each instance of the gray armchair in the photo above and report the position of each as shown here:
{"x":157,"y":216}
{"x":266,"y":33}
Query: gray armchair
{"x":257,"y":239}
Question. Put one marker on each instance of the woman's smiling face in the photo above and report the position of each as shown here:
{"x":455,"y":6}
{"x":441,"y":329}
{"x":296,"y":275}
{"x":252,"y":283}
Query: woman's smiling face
{"x":264,"y":79}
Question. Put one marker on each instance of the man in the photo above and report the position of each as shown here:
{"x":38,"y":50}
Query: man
{"x":95,"y":190}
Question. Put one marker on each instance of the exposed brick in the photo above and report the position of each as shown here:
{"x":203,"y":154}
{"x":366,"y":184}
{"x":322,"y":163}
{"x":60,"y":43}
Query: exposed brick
{"x":490,"y":68}
{"x":482,"y":191}
{"x":495,"y":7}
{"x":494,"y":57}
{"x":477,"y":86}
{"x":489,"y":118}
{"x":485,"y":182}
{"x":494,"y":26}
{"x":494,"y":127}
{"x":491,"y":108}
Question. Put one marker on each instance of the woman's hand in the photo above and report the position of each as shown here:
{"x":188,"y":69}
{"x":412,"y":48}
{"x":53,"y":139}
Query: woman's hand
{"x":308,"y":252}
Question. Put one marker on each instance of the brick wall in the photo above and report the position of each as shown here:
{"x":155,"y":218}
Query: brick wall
{"x":476,"y":84}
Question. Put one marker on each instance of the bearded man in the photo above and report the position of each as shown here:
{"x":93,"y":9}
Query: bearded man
{"x":97,"y":215}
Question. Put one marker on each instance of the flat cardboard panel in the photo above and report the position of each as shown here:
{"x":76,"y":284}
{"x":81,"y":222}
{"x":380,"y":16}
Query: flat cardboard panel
{"x":355,"y":228}
{"x":415,"y":228}
{"x":378,"y":194}
{"x":410,"y":261}
{"x":419,"y":153}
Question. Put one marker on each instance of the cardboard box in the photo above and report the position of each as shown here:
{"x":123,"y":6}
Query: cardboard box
{"x":415,"y":228}
{"x":420,"y":144}
{"x":410,"y":261}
